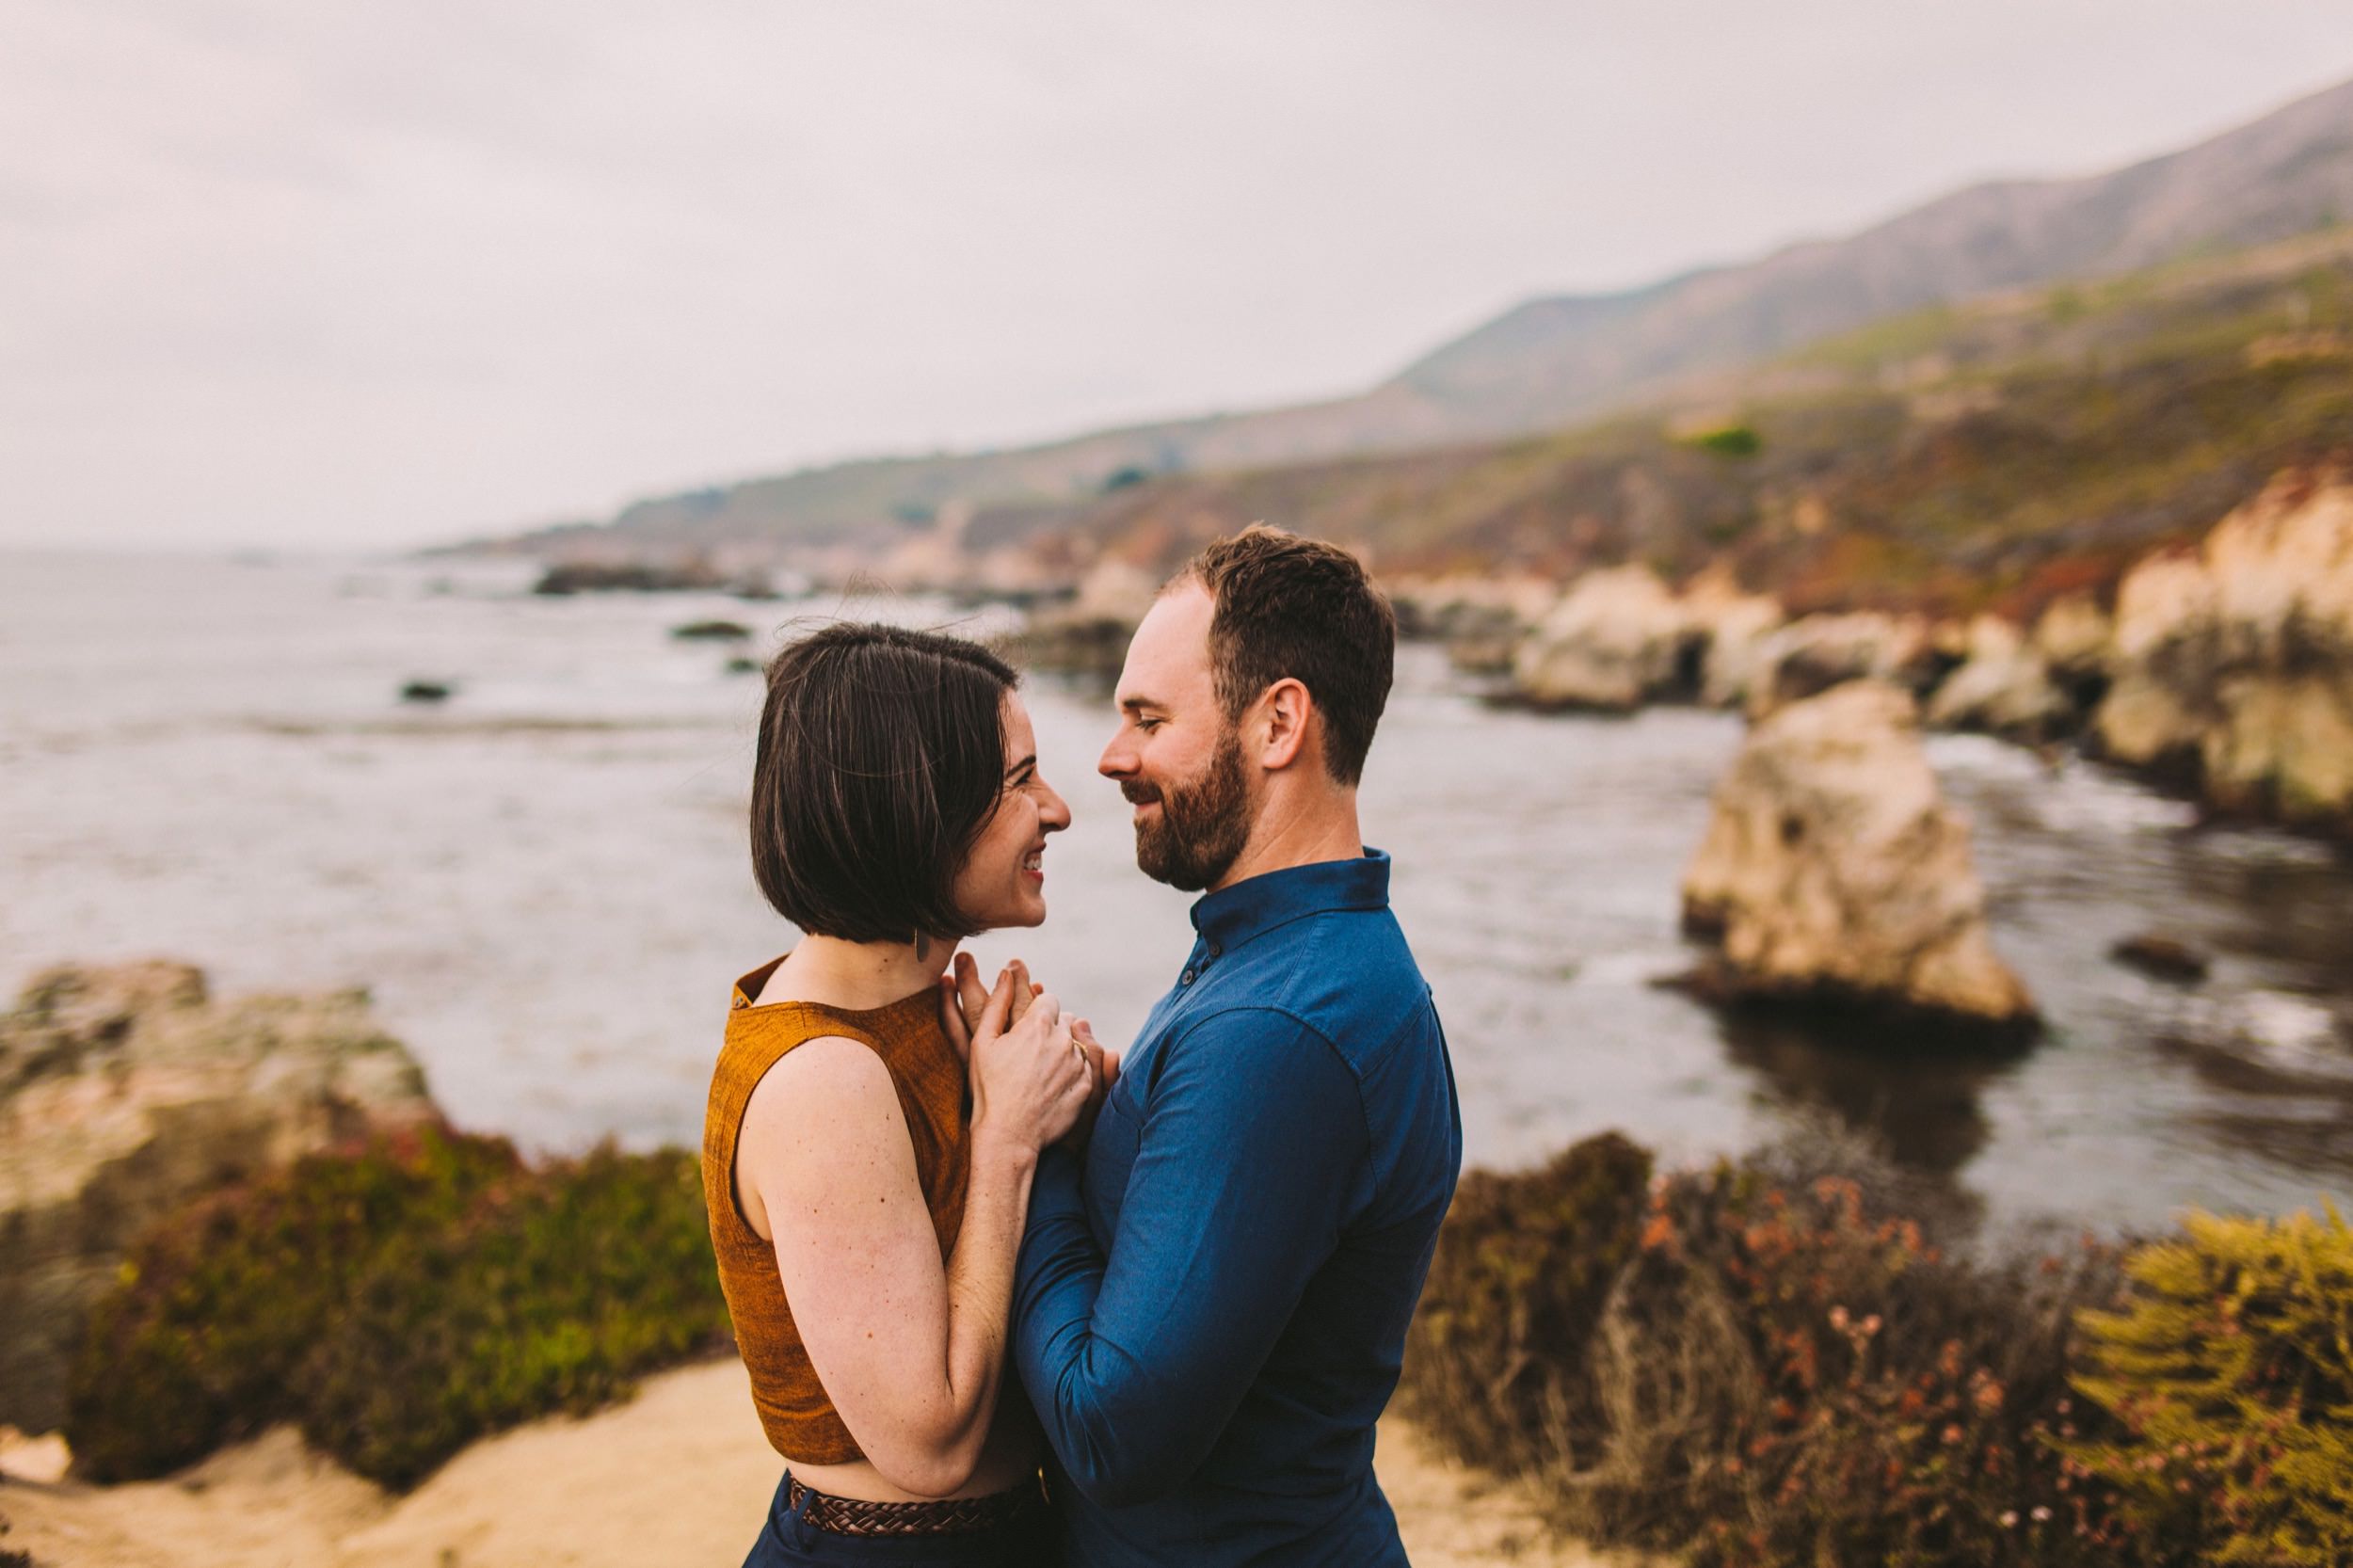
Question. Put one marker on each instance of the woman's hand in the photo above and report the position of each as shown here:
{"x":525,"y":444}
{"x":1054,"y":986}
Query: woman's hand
{"x":1031,"y":1080}
{"x":962,"y":999}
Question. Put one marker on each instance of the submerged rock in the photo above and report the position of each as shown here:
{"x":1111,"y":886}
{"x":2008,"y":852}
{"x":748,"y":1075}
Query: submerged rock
{"x":2233,"y":663}
{"x":1833,"y":871}
{"x":2165,"y":957}
{"x":127,"y":1090}
{"x":712,"y":631}
{"x":1620,"y":639}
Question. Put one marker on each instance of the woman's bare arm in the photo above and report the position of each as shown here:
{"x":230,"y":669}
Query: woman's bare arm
{"x":911,"y":1354}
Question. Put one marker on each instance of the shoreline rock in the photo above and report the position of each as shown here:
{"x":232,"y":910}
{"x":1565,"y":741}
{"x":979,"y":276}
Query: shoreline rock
{"x":2224,"y":672}
{"x":1832,"y":872}
{"x":2234,"y":662}
{"x":1618,"y":640}
{"x":125,"y":1090}
{"x":2163,"y":957}
{"x":2003,"y":686}
{"x":561,"y":579}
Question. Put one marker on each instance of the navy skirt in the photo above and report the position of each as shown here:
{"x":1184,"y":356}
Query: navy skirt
{"x":789,"y":1541}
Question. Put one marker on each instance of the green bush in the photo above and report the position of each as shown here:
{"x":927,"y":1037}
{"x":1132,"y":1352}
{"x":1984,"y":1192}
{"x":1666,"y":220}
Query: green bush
{"x":221,"y":1303}
{"x":1730,"y":440}
{"x":551,"y":1300}
{"x":2229,"y":1376}
{"x":1496,"y":1357}
{"x":397,"y":1301}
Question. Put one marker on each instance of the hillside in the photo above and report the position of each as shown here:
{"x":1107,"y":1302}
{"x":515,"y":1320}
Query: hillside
{"x":1551,"y":361}
{"x":1989,"y":455}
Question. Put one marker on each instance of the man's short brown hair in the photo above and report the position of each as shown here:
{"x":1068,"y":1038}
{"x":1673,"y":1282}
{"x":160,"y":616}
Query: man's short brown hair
{"x":1290,"y":608}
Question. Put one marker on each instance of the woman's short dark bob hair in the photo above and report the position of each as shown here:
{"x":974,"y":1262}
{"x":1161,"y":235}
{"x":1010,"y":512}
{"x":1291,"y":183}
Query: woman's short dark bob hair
{"x":881,"y":757}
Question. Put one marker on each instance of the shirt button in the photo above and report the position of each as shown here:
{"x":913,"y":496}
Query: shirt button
{"x":1215,"y":951}
{"x":1187,"y":980}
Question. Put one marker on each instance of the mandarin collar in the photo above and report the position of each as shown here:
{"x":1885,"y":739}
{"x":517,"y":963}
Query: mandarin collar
{"x":1232,"y":916}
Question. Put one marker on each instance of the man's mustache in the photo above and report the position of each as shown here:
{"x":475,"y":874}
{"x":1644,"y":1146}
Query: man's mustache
{"x":1138,"y":794}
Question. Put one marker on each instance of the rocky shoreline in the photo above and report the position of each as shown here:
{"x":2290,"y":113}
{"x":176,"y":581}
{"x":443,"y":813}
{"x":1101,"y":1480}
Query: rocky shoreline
{"x":125,"y":1090}
{"x":1834,"y":876}
{"x":2224,"y":671}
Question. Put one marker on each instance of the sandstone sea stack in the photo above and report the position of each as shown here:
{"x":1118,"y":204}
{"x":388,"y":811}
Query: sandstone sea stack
{"x":1832,"y":871}
{"x":2233,"y":663}
{"x":124,"y":1091}
{"x":1618,"y":640}
{"x":2004,"y":686}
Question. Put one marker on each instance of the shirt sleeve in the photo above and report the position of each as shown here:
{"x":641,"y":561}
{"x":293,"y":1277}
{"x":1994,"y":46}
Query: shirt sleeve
{"x":1251,"y":1143}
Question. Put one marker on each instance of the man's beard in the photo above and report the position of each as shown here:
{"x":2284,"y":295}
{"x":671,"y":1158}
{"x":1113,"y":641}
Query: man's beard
{"x":1203,"y":823}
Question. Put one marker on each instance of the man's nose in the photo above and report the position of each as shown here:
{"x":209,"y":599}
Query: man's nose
{"x":1119,"y":760}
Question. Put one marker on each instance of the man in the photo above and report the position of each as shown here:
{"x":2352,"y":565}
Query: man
{"x":1210,"y":1322}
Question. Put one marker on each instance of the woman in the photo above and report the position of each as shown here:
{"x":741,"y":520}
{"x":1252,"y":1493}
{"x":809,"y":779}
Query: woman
{"x":869,"y":1146}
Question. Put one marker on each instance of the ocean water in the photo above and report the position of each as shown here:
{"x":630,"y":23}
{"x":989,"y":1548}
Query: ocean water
{"x":542,"y":883}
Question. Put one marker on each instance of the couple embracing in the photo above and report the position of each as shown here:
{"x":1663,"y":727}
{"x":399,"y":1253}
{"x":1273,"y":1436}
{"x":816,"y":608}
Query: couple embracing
{"x":962,"y":1241}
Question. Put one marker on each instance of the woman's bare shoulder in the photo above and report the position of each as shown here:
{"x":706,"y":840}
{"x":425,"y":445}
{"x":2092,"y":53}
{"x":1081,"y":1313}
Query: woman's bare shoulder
{"x":830,"y":1075}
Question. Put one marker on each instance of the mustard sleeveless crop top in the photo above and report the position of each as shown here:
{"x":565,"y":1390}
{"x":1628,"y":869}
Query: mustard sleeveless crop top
{"x":799,"y":1420}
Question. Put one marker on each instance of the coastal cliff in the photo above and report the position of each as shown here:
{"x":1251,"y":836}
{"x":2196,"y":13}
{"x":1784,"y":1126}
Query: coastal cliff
{"x":127,"y":1090}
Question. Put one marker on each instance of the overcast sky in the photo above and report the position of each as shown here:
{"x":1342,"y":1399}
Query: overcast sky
{"x":301,"y":272}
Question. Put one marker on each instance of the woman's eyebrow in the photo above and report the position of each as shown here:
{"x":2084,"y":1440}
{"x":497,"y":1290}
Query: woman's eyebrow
{"x":1028,"y":761}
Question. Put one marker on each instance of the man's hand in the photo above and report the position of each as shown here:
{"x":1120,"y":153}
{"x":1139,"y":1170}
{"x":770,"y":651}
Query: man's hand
{"x":1105,"y":1062}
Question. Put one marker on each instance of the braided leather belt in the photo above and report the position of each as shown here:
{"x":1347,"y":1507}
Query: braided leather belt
{"x":947,"y":1516}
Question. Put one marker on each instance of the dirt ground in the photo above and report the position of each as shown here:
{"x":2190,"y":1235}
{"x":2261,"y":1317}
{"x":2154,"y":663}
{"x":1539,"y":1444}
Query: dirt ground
{"x":678,"y":1475}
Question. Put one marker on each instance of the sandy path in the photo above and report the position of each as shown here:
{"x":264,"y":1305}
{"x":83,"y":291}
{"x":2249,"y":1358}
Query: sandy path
{"x":678,"y":1475}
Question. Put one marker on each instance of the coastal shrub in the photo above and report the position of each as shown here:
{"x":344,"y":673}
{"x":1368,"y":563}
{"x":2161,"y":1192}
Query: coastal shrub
{"x":1793,"y":1358}
{"x":396,"y":1301}
{"x":1730,"y":440}
{"x":197,"y":1343}
{"x":553,"y":1298}
{"x":2229,"y":1376}
{"x":1496,"y":1355}
{"x":1794,"y":1370}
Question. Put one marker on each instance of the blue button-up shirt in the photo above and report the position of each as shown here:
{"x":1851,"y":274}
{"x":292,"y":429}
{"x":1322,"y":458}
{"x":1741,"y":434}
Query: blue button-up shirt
{"x":1210,"y":1322}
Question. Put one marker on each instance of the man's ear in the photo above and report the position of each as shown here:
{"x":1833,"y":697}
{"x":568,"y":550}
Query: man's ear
{"x":1285,"y":711}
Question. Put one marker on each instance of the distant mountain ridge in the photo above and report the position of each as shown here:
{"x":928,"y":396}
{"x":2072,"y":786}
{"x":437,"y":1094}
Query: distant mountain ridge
{"x":1552,"y":361}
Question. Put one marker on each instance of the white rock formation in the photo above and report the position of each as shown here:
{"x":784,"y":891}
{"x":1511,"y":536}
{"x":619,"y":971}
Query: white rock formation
{"x":124,"y":1091}
{"x":1834,"y":870}
{"x":1619,"y":639}
{"x":1814,"y":653}
{"x":2075,"y":636}
{"x":2235,"y":661}
{"x":1736,"y":625}
{"x":2003,"y":685}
